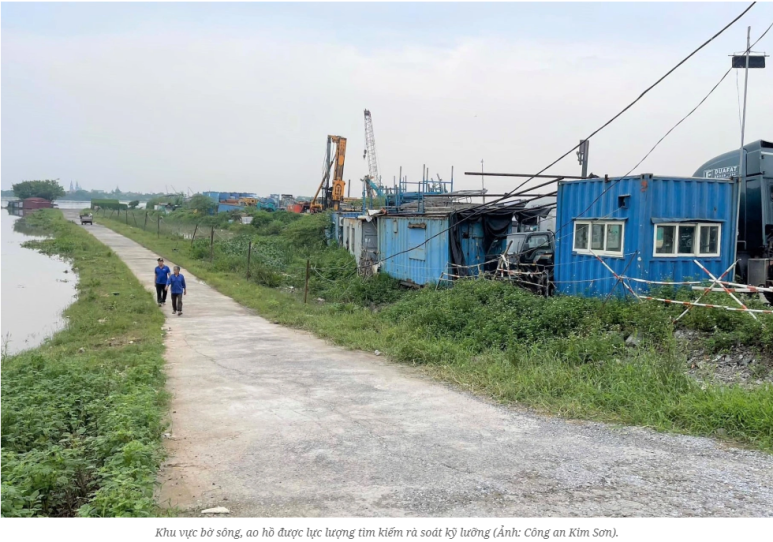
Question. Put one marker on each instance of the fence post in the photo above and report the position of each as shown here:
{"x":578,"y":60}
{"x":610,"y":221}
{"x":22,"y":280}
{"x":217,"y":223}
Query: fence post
{"x":249,"y":253}
{"x":158,"y":227}
{"x":134,"y":216}
{"x":211,"y":243}
{"x":306,"y":288}
{"x":126,"y":215}
{"x":145,"y":225}
{"x":194,"y":233}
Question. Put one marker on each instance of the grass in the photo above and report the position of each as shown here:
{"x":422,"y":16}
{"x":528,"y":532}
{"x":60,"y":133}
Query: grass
{"x":83,"y":414}
{"x":565,"y":356}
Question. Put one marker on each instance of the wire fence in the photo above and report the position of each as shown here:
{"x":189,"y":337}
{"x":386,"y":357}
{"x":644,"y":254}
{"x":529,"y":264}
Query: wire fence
{"x":259,"y":259}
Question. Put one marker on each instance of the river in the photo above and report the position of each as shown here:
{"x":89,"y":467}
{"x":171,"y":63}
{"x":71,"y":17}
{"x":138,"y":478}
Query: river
{"x":35,"y":290}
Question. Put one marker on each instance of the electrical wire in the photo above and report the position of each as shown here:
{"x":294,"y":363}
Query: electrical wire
{"x":614,"y":182}
{"x":483,"y":207}
{"x":680,"y":121}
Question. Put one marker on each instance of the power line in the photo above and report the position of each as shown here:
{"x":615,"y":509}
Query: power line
{"x":662,"y":138}
{"x":680,"y":121}
{"x":513,"y":193}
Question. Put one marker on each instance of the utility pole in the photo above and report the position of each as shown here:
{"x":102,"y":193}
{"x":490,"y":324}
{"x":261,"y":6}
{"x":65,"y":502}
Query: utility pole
{"x":582,"y":156}
{"x":745,"y":87}
{"x":482,"y":184}
{"x":744,"y":61}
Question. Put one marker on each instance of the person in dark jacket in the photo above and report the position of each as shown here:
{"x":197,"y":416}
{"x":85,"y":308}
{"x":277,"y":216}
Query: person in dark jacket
{"x":162,"y":278}
{"x":177,"y":284}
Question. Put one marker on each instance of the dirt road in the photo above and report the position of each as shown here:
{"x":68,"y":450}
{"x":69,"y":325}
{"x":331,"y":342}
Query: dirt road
{"x":268,"y":421}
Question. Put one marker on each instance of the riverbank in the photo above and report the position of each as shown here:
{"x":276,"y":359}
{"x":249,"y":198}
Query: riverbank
{"x":31,"y":279}
{"x":83,"y":414}
{"x":577,"y":358}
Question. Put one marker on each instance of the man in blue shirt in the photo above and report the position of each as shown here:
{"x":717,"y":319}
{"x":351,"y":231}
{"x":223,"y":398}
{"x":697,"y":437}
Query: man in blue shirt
{"x":177,"y":284}
{"x":162,"y":277}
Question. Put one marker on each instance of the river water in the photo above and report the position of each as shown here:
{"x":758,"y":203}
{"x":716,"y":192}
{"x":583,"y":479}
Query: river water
{"x":35,"y":290}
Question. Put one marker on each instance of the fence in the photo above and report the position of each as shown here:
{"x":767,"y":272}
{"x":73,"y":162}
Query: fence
{"x":227,"y":251}
{"x":235,"y":251}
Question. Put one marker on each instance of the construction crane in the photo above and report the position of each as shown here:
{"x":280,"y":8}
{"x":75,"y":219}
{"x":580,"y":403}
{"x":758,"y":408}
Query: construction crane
{"x":370,"y":153}
{"x":332,"y":194}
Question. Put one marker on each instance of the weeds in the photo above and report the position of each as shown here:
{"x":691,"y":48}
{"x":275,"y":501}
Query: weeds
{"x":576,"y":357}
{"x":82,"y":415}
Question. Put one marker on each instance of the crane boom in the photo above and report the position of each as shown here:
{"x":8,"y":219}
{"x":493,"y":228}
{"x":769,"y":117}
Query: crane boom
{"x":332,"y":196}
{"x":370,"y":151}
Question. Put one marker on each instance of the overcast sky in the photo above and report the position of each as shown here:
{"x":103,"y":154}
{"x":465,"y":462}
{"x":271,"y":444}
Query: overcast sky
{"x":242,"y":96}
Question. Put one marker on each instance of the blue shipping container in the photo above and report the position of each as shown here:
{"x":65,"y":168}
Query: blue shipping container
{"x":645,"y":227}
{"x":397,"y":237}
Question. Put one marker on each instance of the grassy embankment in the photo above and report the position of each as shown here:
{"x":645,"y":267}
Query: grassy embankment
{"x":566,"y":356}
{"x":82,"y":415}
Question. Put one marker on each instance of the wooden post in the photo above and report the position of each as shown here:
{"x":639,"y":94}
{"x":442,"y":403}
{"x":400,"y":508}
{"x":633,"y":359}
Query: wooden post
{"x":194,"y":233}
{"x":306,"y":288}
{"x":134,"y":216}
{"x":158,"y":227}
{"x":126,"y":215}
{"x":211,"y":243}
{"x":249,"y":253}
{"x":145,"y":225}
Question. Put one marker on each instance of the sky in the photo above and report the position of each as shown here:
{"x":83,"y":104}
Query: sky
{"x":242,"y":96}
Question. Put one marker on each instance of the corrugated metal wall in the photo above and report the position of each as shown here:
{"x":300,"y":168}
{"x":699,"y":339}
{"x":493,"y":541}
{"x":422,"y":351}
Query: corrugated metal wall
{"x":471,"y":239}
{"x":398,"y":234}
{"x":640,"y":202}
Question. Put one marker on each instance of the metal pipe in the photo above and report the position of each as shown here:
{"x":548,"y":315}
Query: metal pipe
{"x":524,"y":175}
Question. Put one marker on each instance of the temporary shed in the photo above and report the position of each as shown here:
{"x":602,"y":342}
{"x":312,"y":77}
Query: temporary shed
{"x":645,"y":227}
{"x":424,"y":248}
{"x":359,"y":235}
{"x":337,"y":219}
{"x":414,"y":248}
{"x":36,"y":203}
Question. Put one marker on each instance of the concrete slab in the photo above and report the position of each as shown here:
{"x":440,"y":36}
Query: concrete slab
{"x":268,"y":421}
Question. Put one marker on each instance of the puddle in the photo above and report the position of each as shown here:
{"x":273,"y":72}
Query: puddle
{"x":35,"y":291}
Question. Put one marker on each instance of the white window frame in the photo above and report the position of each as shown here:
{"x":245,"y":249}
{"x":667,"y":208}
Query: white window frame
{"x":605,"y":223}
{"x":696,"y":253}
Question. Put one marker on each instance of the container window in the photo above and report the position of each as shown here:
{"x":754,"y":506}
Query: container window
{"x":580,"y":236}
{"x":709,"y":240}
{"x":603,"y":237}
{"x":664,"y":239}
{"x":597,"y":237}
{"x":614,"y":238}
{"x":694,"y":239}
{"x":686,"y":239}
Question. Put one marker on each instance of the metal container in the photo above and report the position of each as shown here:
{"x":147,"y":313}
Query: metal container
{"x":397,"y":237}
{"x":651,"y":215}
{"x":759,"y":271}
{"x":37,"y":203}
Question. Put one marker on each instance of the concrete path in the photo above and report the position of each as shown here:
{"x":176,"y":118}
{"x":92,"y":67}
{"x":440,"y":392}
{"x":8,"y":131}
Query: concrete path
{"x":268,"y":421}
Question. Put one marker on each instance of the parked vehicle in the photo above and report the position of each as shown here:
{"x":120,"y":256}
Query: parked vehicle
{"x":528,"y":261}
{"x":86,"y":219}
{"x":755,"y":208}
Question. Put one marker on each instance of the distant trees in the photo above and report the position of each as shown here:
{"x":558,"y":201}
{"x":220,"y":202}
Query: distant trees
{"x":47,"y":189}
{"x":202,"y":204}
{"x":133,"y":204}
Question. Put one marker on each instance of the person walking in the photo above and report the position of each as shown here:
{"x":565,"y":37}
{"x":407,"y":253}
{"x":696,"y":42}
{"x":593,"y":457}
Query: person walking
{"x":177,"y":284}
{"x":162,"y":279}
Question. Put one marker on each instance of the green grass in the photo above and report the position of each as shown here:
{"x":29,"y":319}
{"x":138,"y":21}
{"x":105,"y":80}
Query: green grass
{"x":565,"y":356}
{"x":83,"y":414}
